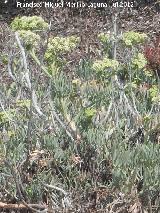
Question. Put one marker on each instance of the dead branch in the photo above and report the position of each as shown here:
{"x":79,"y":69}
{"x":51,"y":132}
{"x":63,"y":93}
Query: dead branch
{"x":19,"y":206}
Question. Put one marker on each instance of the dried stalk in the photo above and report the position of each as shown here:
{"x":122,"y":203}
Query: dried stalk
{"x":27,"y":78}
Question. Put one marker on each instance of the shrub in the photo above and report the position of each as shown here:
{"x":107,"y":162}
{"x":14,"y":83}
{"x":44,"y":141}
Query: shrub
{"x":29,"y":23}
{"x":132,"y":38}
{"x":28,"y":28}
{"x":94,"y":131}
{"x":152,"y":54}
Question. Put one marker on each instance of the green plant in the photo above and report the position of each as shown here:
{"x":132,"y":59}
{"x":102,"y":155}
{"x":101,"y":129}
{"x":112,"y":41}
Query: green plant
{"x":28,"y":29}
{"x":103,"y":65}
{"x":26,"y":23}
{"x":56,"y":47}
{"x":63,"y":135}
{"x":139,"y":62}
{"x":132,"y":38}
{"x":30,"y":39}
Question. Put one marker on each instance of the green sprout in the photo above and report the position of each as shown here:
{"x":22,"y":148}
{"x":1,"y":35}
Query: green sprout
{"x":90,"y":112}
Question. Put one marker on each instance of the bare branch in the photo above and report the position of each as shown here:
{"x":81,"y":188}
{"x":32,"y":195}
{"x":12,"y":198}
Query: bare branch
{"x":54,"y":114}
{"x":26,"y":75}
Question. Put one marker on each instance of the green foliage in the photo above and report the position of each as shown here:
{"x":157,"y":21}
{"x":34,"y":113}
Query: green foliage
{"x":140,"y":165}
{"x":90,"y":112}
{"x":107,"y":40}
{"x":29,"y":23}
{"x":104,"y":64}
{"x":7,"y":115}
{"x":104,"y":38}
{"x":132,"y":38}
{"x":28,"y":27}
{"x":76,"y":82}
{"x":18,"y":113}
{"x":155,"y":93}
{"x":139,"y":61}
{"x":23,"y":103}
{"x":58,"y":45}
{"x":4,"y":59}
{"x":29,"y":38}
{"x":61,"y":86}
{"x":86,"y":137}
